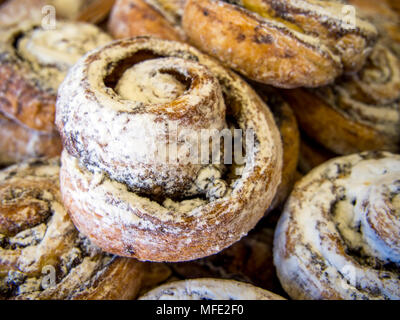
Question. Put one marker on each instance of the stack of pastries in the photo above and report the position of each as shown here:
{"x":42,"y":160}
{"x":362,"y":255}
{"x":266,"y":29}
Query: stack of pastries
{"x":199,"y":149}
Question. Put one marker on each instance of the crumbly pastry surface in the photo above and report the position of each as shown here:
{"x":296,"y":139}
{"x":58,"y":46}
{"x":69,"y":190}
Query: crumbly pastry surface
{"x":282,"y":43}
{"x":34,"y":61}
{"x":209,"y":289}
{"x":357,"y":113}
{"x":147,"y":207}
{"x":338,"y":237}
{"x":37,"y":237}
{"x":19,"y":143}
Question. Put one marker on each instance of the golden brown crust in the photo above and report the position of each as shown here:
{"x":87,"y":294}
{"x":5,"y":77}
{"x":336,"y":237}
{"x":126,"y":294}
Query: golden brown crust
{"x":278,"y":49}
{"x":357,"y":113}
{"x":146,"y":223}
{"x":25,"y":102}
{"x":130,"y":18}
{"x":18,"y":143}
{"x":384,"y":18}
{"x":332,"y":129}
{"x":42,"y":255}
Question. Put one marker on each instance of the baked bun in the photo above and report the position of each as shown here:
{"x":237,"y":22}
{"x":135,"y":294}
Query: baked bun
{"x":159,"y":18}
{"x":33,"y":63}
{"x":339,"y":235}
{"x":282,"y":43}
{"x":121,"y":188}
{"x":42,"y":255}
{"x":209,"y":289}
{"x":18,"y":143}
{"x":357,"y":113}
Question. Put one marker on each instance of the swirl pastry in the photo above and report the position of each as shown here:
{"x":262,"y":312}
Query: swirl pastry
{"x":159,"y":18}
{"x":282,"y":43}
{"x":42,"y":255}
{"x":357,"y":113}
{"x":18,"y":143}
{"x":209,"y":289}
{"x":134,"y":183}
{"x":33,"y":63}
{"x":384,"y":18}
{"x":338,"y":237}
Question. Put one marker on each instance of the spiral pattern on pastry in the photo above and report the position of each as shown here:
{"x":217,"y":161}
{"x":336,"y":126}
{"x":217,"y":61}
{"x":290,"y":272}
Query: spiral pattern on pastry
{"x":209,"y":289}
{"x":33,"y":63}
{"x":117,"y":185}
{"x":338,"y":237}
{"x":39,"y":244}
{"x":282,"y":43}
{"x":357,"y":113}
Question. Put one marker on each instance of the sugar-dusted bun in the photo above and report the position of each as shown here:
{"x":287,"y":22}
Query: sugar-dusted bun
{"x":119,"y":187}
{"x":209,"y":289}
{"x":34,"y":61}
{"x":357,"y":113}
{"x":282,"y":43}
{"x":42,"y":255}
{"x":339,"y":235}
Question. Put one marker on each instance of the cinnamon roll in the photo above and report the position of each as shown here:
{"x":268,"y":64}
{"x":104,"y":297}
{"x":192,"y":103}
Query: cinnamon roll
{"x":42,"y":255}
{"x":282,"y":43}
{"x":357,"y":113}
{"x":338,"y":237}
{"x":384,"y":18}
{"x":160,"y":18}
{"x":18,"y":143}
{"x":150,"y":179}
{"x":34,"y":61}
{"x":209,"y":289}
